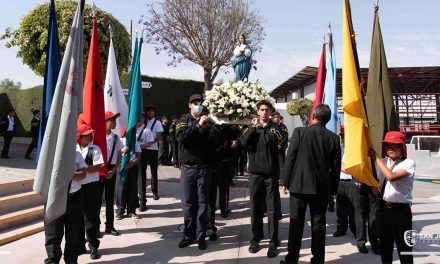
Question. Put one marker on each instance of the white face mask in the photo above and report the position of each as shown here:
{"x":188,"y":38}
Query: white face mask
{"x":197,"y":109}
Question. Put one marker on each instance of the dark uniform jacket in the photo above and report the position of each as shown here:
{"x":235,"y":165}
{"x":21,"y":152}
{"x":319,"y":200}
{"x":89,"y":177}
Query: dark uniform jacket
{"x":35,"y":126}
{"x":284,"y":136}
{"x":172,"y":133}
{"x":313,"y":161}
{"x":220,"y":138}
{"x":262,"y":146}
{"x":193,"y":141}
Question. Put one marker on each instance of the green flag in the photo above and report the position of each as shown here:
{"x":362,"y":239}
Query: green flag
{"x":135,"y":105}
{"x":379,"y":102}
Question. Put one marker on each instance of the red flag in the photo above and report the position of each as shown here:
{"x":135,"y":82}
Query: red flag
{"x":320,"y":83}
{"x":93,"y":98}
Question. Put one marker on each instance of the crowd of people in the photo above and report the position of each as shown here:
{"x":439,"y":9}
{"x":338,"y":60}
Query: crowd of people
{"x":310,"y":169}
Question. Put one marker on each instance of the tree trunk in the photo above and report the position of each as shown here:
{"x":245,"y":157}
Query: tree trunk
{"x":207,"y":79}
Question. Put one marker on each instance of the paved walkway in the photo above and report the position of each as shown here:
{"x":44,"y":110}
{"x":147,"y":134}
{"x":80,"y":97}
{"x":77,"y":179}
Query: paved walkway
{"x":154,"y":238}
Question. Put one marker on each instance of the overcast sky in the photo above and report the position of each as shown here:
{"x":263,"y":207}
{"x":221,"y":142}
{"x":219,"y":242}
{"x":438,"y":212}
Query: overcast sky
{"x":294,"y":28}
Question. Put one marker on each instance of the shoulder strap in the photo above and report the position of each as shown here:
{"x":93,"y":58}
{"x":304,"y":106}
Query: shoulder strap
{"x":140,"y":134}
{"x":382,"y":190}
{"x":115,"y":137}
{"x":152,"y":125}
{"x":89,"y":157}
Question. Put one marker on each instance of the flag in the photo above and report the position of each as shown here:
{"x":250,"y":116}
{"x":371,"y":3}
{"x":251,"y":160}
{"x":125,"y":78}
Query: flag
{"x":52,"y":68}
{"x":357,"y":135}
{"x":55,"y":171}
{"x":93,"y":100}
{"x":135,"y":105}
{"x":320,"y":81}
{"x":114,"y":99}
{"x":330,"y":97}
{"x":380,"y":106}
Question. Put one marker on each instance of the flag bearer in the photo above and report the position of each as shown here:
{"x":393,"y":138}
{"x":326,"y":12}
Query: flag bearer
{"x":69,"y":222}
{"x":107,"y":183}
{"x":396,"y":175}
{"x":93,"y":156}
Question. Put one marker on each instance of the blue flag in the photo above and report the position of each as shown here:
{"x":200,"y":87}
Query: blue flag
{"x":330,"y":97}
{"x":53,"y":65}
{"x":135,"y":105}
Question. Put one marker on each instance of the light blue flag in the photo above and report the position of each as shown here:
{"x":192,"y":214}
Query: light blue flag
{"x":330,"y":97}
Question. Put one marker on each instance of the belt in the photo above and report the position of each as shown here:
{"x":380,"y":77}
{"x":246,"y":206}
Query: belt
{"x":344,"y":179}
{"x":395,"y":205}
{"x":194,"y":166}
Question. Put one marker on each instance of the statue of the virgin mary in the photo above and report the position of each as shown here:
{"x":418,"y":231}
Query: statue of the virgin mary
{"x":242,"y":60}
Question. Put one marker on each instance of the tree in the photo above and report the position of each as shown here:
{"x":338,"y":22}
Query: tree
{"x":9,"y":84}
{"x":31,"y":37}
{"x":300,"y":107}
{"x":204,"y":32}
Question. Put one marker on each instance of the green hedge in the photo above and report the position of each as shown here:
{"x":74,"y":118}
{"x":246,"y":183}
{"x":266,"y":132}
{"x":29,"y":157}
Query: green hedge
{"x":170,"y":97}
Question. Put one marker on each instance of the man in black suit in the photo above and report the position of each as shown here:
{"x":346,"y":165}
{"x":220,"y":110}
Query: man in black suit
{"x":35,"y":128}
{"x":311,"y":173}
{"x":8,"y":128}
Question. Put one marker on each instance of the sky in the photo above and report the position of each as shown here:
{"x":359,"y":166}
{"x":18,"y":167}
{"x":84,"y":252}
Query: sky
{"x":294,"y":36}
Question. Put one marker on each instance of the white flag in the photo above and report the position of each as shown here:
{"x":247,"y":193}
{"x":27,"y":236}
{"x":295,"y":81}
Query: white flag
{"x":57,"y":157}
{"x":114,"y":99}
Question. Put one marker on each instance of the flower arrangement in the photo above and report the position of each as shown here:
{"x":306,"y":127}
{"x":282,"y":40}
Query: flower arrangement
{"x":235,"y":100}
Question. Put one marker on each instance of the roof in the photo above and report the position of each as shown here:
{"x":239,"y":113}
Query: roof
{"x":414,"y":80}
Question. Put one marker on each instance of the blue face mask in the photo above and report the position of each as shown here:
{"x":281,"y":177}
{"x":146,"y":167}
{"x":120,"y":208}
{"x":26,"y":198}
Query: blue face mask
{"x":197,"y":109}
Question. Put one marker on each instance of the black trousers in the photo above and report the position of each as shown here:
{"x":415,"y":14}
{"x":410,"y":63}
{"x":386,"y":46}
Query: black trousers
{"x":148,"y":157}
{"x":263,"y":191}
{"x":365,"y":213}
{"x":68,"y":223}
{"x":164,"y":152}
{"x":393,"y":222}
{"x":109,"y":186}
{"x":345,"y":206}
{"x":218,"y":178}
{"x":32,"y":145}
{"x":318,"y":207}
{"x":242,"y":160}
{"x":90,"y":225}
{"x":175,"y":151}
{"x":194,"y":202}
{"x":126,"y":191}
{"x":7,"y":136}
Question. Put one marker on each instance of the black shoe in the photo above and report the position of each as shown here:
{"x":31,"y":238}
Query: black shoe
{"x":99,"y":234}
{"x":338,"y":233}
{"x":254,"y":247}
{"x":28,"y":158}
{"x":272,"y":251}
{"x":94,"y":253}
{"x":362,"y":249}
{"x":232,"y":184}
{"x":176,"y":166}
{"x":156,"y":197}
{"x":134,"y":216}
{"x":119,"y":217}
{"x":111,"y":230}
{"x":142,"y":208}
{"x":185,"y":243}
{"x":213,"y":237}
{"x":202,"y":245}
{"x":224,"y":214}
{"x":331,"y":207}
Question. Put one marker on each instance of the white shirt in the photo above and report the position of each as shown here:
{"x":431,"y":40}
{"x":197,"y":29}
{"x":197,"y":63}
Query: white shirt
{"x":399,"y":191}
{"x":147,"y":135}
{"x":118,"y":147}
{"x":343,"y":175}
{"x":156,"y":129}
{"x":79,"y":163}
{"x":10,"y":123}
{"x":97,"y":159}
{"x":137,"y":148}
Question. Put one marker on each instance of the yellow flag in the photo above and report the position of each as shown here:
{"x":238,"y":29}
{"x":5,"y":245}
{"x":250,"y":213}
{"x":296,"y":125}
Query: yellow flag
{"x":357,"y":134}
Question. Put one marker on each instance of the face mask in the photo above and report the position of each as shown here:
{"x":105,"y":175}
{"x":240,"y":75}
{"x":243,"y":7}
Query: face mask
{"x":197,"y":109}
